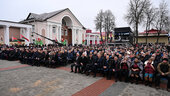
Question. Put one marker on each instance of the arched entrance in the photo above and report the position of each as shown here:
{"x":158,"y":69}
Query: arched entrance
{"x":66,"y":32}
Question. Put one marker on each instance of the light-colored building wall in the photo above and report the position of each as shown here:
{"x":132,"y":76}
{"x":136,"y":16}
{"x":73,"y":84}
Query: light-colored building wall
{"x":1,"y":35}
{"x":58,"y":18}
{"x":39,"y":27}
{"x":153,"y":40}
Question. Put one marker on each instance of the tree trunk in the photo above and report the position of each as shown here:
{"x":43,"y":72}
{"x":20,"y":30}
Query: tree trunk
{"x":101,"y":34}
{"x":146,"y":38}
{"x":136,"y":32}
{"x":105,"y":36}
{"x":146,"y":34}
{"x":158,"y":38}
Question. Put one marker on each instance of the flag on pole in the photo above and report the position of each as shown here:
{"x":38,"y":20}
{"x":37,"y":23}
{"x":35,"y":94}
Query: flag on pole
{"x":64,"y":42}
{"x":15,"y":40}
{"x":38,"y":41}
{"x":22,"y":37}
{"x":83,"y":42}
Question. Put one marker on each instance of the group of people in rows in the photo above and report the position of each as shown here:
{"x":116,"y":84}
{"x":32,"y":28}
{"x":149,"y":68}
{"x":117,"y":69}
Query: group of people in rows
{"x":147,"y":63}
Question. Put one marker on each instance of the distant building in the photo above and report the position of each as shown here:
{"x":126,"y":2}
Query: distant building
{"x":110,"y":38}
{"x":152,"y":37}
{"x":58,"y":25}
{"x":92,"y":38}
{"x":54,"y":26}
{"x":123,"y":35}
{"x":9,"y":29}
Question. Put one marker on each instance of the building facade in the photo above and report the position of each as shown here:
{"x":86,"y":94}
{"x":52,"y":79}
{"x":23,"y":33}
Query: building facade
{"x":92,"y":38}
{"x":9,"y":29}
{"x":152,"y":37}
{"x":58,"y":25}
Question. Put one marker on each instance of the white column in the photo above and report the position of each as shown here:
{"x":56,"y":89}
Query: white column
{"x":88,"y":39}
{"x":27,"y":35}
{"x":76,"y":39}
{"x":93,"y":41}
{"x":6,"y":35}
{"x":73,"y":36}
{"x":51,"y":33}
{"x":48,"y":32}
{"x":59,"y":33}
{"x":97,"y":39}
{"x":80,"y":37}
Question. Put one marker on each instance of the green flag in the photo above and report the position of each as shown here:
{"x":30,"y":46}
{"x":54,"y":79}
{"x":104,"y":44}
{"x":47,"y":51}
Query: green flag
{"x":64,"y":42}
{"x":37,"y":42}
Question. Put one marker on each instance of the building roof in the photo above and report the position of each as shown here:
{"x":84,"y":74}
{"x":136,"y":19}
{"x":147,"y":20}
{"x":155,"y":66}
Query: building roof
{"x":122,"y":30}
{"x":154,"y":31}
{"x":42,"y":17}
{"x":12,"y":22}
{"x":45,"y":16}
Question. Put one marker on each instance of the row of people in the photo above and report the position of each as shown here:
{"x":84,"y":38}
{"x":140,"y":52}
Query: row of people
{"x":37,"y":56}
{"x":147,"y":63}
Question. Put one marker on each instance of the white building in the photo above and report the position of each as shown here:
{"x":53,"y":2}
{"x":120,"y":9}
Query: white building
{"x":9,"y":29}
{"x":92,"y":38}
{"x":61,"y":24}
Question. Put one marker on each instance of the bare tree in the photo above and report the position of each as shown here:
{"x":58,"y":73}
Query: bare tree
{"x":135,"y":14}
{"x":99,"y":20}
{"x":109,"y":23}
{"x":150,"y":14}
{"x":167,"y":27}
{"x":161,"y":18}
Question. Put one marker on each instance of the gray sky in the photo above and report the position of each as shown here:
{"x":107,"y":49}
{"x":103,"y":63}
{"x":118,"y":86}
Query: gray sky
{"x":84,"y":10}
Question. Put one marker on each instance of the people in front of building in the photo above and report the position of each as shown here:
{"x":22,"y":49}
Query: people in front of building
{"x":124,"y":71}
{"x":136,"y":69}
{"x":76,"y":65}
{"x":116,"y":68}
{"x":148,"y":72}
{"x":120,"y":62}
{"x":163,"y":72}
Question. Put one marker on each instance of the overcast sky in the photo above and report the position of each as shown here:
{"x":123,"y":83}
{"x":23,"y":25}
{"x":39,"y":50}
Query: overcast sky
{"x":84,"y":10}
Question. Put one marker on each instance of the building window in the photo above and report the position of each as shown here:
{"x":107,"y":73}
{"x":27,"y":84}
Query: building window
{"x":54,"y":29}
{"x":33,"y":28}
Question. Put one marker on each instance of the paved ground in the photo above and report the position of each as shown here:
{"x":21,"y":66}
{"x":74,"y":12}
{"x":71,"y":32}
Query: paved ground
{"x":127,"y":89}
{"x":22,"y":80}
{"x":40,"y":81}
{"x":5,"y":64}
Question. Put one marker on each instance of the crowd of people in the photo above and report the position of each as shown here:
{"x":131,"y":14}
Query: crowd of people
{"x":147,"y":63}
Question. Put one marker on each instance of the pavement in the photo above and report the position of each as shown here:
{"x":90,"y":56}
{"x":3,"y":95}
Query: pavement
{"x":127,"y":89}
{"x":23,"y":80}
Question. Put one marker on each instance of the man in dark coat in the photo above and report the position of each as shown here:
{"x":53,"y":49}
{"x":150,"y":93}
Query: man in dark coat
{"x":89,"y":66}
{"x":163,"y":71}
{"x":98,"y":65}
{"x":83,"y":62}
{"x":76,"y":64}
